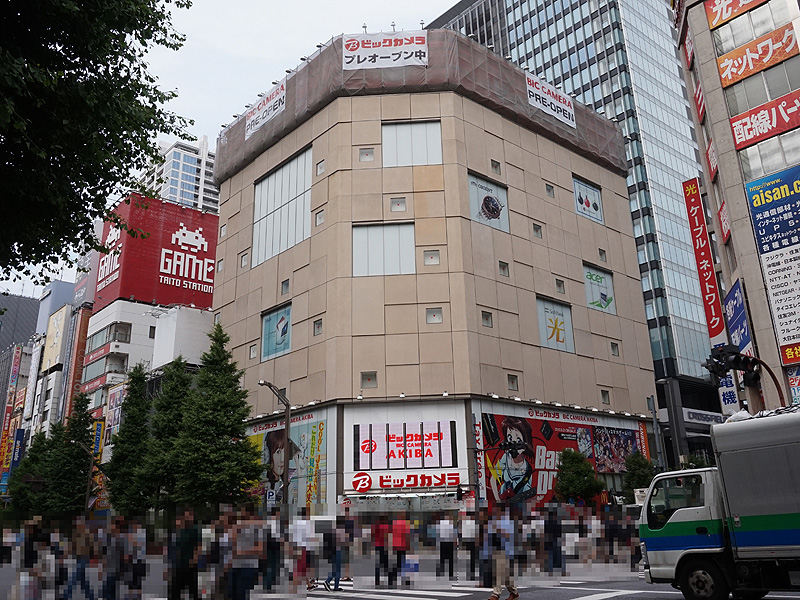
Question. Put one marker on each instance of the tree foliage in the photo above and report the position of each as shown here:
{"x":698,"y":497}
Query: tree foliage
{"x":130,"y":486}
{"x":28,"y":497}
{"x":575,"y":478}
{"x":216,"y":462}
{"x":640,"y":473}
{"x":78,"y":112}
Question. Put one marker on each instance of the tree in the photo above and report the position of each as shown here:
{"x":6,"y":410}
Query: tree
{"x":640,"y":473}
{"x":27,"y":483}
{"x":78,"y":113}
{"x":130,"y":487}
{"x":216,"y":461}
{"x":169,"y":407}
{"x":575,"y":478}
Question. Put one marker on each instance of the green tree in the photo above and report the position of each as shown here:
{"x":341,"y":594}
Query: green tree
{"x":130,"y":488}
{"x":216,"y":460}
{"x":169,"y":406}
{"x":79,"y":112}
{"x":640,"y":473}
{"x":575,"y":478}
{"x":27,"y":496}
{"x":696,"y":461}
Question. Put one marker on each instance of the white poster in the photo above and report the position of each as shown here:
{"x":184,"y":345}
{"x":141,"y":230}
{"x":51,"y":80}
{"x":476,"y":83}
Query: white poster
{"x":380,"y":50}
{"x":555,"y":325}
{"x":545,"y":97}
{"x":599,"y":287}
{"x":488,"y":203}
{"x":588,"y":202}
{"x":270,"y":105}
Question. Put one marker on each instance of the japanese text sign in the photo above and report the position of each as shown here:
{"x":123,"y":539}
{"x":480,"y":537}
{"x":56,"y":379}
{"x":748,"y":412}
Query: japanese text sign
{"x":549,"y":99}
{"x":775,"y":209}
{"x":699,"y":102}
{"x":767,"y":120}
{"x":688,"y":48}
{"x":724,"y":222}
{"x":409,"y":445}
{"x":270,"y":105}
{"x":760,"y":54}
{"x":711,"y":159}
{"x":379,"y":50}
{"x":363,"y":482}
{"x":722,"y":11}
{"x":705,"y":262}
{"x":738,"y":325}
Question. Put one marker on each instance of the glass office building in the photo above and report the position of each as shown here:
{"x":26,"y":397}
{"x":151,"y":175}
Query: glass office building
{"x":620,"y":58}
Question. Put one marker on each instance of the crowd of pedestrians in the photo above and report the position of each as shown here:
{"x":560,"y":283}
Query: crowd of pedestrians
{"x":227,"y":557}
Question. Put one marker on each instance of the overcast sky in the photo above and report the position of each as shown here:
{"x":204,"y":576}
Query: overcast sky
{"x":235,"y":48}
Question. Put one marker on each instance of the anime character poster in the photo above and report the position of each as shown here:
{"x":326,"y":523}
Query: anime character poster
{"x":306,"y":460}
{"x":521,"y":455}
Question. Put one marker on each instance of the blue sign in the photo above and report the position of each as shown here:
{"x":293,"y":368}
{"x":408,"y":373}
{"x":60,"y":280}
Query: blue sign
{"x":775,"y":207}
{"x":738,"y":325}
{"x":276,"y":336}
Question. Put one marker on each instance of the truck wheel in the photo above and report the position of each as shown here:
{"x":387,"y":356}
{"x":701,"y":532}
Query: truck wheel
{"x":703,"y":580}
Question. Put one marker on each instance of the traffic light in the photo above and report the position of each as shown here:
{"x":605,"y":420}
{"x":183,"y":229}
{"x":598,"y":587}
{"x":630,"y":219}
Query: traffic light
{"x":728,"y":358}
{"x":748,"y":365}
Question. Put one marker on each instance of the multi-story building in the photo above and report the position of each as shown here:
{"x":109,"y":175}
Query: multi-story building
{"x":429,"y":265}
{"x":186,"y":176}
{"x":742,"y":68}
{"x":618,"y":57}
{"x":18,"y":319}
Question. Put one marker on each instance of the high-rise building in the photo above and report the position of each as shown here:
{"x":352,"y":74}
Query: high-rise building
{"x":742,"y":67}
{"x":186,"y":176}
{"x":619,"y":57}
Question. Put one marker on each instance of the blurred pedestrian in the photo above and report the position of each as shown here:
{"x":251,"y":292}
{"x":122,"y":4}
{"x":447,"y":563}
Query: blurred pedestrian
{"x":82,"y":548}
{"x":446,"y":537}
{"x":401,"y":534}
{"x":468,"y":534}
{"x":182,"y":558}
{"x":501,"y":530}
{"x":380,"y":541}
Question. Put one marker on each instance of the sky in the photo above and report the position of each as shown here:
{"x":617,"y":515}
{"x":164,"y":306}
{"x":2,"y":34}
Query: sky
{"x":234,"y":49}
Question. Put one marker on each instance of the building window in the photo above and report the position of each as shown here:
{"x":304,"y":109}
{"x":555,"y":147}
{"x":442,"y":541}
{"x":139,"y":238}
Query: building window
{"x":550,"y":190}
{"x":555,"y":325}
{"x":398,"y":205}
{"x":366,"y":154}
{"x":220,"y":265}
{"x":317,"y":329}
{"x":605,"y":396}
{"x":319,"y":218}
{"x":502,"y":267}
{"x":537,"y":230}
{"x":282,"y":212}
{"x":223,"y":229}
{"x":369,"y":379}
{"x":408,"y":144}
{"x":513,"y":383}
{"x":601,"y":254}
{"x":560,"y":287}
{"x":614,"y":349}
{"x":276,"y":332}
{"x":486,"y":318}
{"x":383,"y":250}
{"x":321,"y":167}
{"x":152,"y":334}
{"x":253,"y":350}
{"x":495,"y":167}
{"x":430,"y":257}
{"x":433,"y":316}
{"x":284,"y":287}
{"x":217,"y":318}
{"x":588,"y":201}
{"x":243,"y":260}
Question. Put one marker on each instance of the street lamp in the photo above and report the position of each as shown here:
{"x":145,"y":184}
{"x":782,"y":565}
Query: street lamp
{"x":287,"y":452}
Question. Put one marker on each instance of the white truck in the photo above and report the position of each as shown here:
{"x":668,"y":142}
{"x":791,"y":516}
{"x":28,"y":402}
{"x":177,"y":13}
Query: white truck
{"x":732,"y":529}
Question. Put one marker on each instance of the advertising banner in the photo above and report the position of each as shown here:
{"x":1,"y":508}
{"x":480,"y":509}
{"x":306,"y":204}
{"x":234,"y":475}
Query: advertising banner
{"x":775,"y":210}
{"x":555,"y":325}
{"x":588,"y":201}
{"x":488,"y":203}
{"x":711,"y":160}
{"x":18,"y":450}
{"x":380,"y":50}
{"x":599,"y":287}
{"x":738,"y":324}
{"x":307,"y":460}
{"x":724,"y":222}
{"x":15,"y":363}
{"x":276,"y":333}
{"x":30,"y":397}
{"x":409,"y":445}
{"x":54,"y":340}
{"x":116,"y":396}
{"x":760,"y":54}
{"x":766,"y":121}
{"x":699,"y":101}
{"x":793,"y":375}
{"x":722,"y":11}
{"x":516,"y":475}
{"x":269,"y":106}
{"x":550,"y":100}
{"x":688,"y":48}
{"x":76,"y":362}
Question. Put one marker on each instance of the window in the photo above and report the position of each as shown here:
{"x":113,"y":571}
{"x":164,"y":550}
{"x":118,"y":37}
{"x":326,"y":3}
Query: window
{"x":321,"y":167}
{"x":317,"y":328}
{"x":770,"y":155}
{"x":282,"y":211}
{"x":152,"y":333}
{"x":276,"y":332}
{"x":601,"y":254}
{"x":672,"y":494}
{"x":220,"y":264}
{"x":243,"y":260}
{"x":223,"y":230}
{"x":253,"y":350}
{"x":502,"y":267}
{"x":605,"y":397}
{"x":495,"y":166}
{"x":763,"y":87}
{"x":217,"y":318}
{"x":383,"y":250}
{"x":555,"y":325}
{"x":560,"y":287}
{"x":614,"y":349}
{"x":588,"y":201}
{"x":407,"y":144}
{"x":430,"y":257}
{"x":537,"y":230}
{"x":319,"y":218}
{"x":284,"y":287}
{"x":486,"y":318}
{"x":513,"y":383}
{"x":433,"y":316}
{"x":366,"y":154}
{"x":398,"y":205}
{"x":749,"y":26}
{"x":550,"y":190}
{"x":369,"y":379}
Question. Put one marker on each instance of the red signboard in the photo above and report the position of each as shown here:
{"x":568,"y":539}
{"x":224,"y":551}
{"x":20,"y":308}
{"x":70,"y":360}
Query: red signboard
{"x":699,"y":102}
{"x":705,"y":262}
{"x":724,"y":222}
{"x":76,"y":360}
{"x":688,"y":48}
{"x":94,"y":384}
{"x":6,"y":432}
{"x":760,"y":54}
{"x":711,"y":159}
{"x":98,"y":353}
{"x":174,"y":264}
{"x":722,"y":11}
{"x":766,"y":121}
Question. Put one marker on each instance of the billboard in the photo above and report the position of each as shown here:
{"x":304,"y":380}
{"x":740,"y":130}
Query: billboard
{"x":766,"y":121}
{"x":116,"y":396}
{"x":307,"y":460}
{"x":276,"y":332}
{"x":555,"y":325}
{"x":550,"y":100}
{"x":517,"y":475}
{"x":76,"y":358}
{"x":699,"y":101}
{"x":55,"y":338}
{"x":174,"y":264}
{"x":774,"y":212}
{"x":599,"y":286}
{"x":762,"y":53}
{"x":380,"y":50}
{"x":270,"y":105}
{"x":488,"y":203}
{"x":588,"y":201}
{"x":722,"y":11}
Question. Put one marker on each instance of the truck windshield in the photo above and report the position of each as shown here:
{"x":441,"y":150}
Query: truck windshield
{"x":673,"y":494}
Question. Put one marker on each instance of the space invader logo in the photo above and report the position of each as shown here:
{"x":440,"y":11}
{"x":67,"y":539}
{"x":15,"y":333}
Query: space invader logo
{"x":190,"y":240}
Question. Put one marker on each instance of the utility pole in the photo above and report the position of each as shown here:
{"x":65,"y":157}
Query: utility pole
{"x":287,"y":452}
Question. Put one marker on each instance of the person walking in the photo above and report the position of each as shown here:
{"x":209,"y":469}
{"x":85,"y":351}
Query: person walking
{"x":182,"y":557}
{"x":83,"y":550}
{"x":468,"y":535}
{"x":501,"y":530}
{"x":247,"y":547}
{"x":339,"y":542}
{"x":111,"y":566}
{"x":401,"y":534}
{"x":446,"y":539}
{"x":380,"y":541}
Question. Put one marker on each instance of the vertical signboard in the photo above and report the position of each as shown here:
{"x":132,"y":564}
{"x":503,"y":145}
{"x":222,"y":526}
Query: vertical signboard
{"x":793,"y":375}
{"x":711,"y":159}
{"x":699,"y":102}
{"x":738,"y":324}
{"x":76,"y":359}
{"x":724,"y":222}
{"x":4,"y":446}
{"x":688,"y":47}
